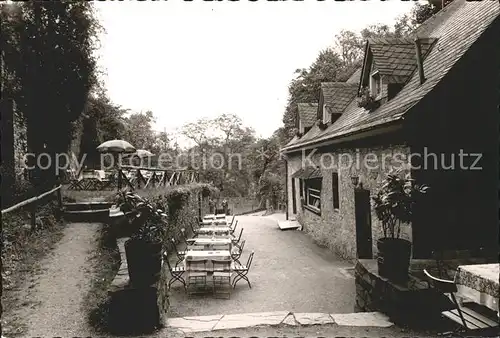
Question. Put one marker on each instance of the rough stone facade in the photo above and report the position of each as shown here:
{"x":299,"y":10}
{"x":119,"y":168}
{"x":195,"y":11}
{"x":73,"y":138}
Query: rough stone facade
{"x":336,"y":228}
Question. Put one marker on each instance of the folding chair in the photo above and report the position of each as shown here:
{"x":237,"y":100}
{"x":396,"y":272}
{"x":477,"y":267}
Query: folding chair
{"x":233,"y":228}
{"x":221,"y":276}
{"x":175,"y":272}
{"x":237,"y":251}
{"x":232,"y":221}
{"x":237,"y":240}
{"x":197,"y":274}
{"x":180,"y":254}
{"x":188,"y":241}
{"x":242,"y":271}
{"x":452,"y":308}
{"x":195,"y":233}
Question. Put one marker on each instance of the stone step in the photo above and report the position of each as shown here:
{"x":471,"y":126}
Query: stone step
{"x":288,"y":225}
{"x":87,"y":206}
{"x":236,"y":321}
{"x":101,"y":216}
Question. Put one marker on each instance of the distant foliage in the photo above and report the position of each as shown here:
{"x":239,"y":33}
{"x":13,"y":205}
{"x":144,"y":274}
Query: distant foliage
{"x":49,"y":68}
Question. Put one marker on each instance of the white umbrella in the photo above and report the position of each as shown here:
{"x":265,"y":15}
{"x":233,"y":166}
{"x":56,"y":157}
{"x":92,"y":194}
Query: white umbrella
{"x":116,"y":146}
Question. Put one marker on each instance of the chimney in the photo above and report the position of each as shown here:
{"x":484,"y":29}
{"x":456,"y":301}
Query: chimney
{"x":420,"y":64}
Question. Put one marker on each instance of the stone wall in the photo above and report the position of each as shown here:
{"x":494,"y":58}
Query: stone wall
{"x":336,"y":228}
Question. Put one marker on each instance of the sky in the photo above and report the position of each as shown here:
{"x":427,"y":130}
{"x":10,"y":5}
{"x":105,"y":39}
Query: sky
{"x":187,"y":60}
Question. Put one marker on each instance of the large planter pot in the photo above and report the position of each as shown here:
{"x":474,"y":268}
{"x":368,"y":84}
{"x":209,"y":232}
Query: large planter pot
{"x":143,"y":261}
{"x":394,"y":258}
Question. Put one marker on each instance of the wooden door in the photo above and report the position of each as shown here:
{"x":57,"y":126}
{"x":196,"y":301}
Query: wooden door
{"x":362,"y":208}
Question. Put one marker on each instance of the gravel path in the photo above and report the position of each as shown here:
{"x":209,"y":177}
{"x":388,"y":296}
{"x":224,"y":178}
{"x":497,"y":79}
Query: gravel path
{"x":59,"y":290}
{"x":289,"y":273}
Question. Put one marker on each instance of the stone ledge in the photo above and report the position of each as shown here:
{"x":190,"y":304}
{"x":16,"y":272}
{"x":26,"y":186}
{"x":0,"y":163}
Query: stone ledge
{"x":245,"y":320}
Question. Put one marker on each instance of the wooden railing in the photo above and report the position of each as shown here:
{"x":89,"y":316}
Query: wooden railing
{"x":32,"y":202}
{"x":159,"y":177}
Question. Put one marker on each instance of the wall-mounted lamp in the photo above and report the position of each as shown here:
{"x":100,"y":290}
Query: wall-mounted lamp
{"x":355,"y":180}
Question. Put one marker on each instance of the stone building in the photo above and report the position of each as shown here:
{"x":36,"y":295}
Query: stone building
{"x":417,"y":105}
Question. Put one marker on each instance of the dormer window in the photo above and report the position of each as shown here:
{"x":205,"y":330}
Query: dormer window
{"x":375,"y":84}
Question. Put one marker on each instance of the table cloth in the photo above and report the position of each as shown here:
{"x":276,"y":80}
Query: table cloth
{"x":212,"y":241}
{"x":479,"y":282}
{"x":195,"y":259}
{"x":212,"y":229}
{"x":205,"y":223}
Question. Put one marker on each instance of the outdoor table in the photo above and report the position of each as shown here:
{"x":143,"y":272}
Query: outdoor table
{"x":212,"y":241}
{"x":222,"y":255}
{"x":205,"y":223}
{"x":214,"y":217}
{"x":214,"y":230}
{"x":216,"y":235}
{"x":479,"y":282}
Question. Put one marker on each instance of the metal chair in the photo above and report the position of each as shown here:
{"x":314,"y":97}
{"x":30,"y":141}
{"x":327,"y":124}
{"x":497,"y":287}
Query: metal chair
{"x":221,"y":276}
{"x":242,"y":271}
{"x":188,"y":241}
{"x":175,"y":272}
{"x":195,"y":233}
{"x":180,"y":254}
{"x":232,"y":221}
{"x":233,"y":228}
{"x":236,"y":254}
{"x":237,"y":240}
{"x":447,"y":287}
{"x":197,"y":274}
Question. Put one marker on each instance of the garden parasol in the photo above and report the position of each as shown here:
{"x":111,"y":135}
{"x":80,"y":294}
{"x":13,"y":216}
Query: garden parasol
{"x":116,"y":146}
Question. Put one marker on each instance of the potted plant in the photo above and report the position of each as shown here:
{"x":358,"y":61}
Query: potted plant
{"x":143,"y":249}
{"x":367,"y":101}
{"x":321,"y":125}
{"x":394,"y":204}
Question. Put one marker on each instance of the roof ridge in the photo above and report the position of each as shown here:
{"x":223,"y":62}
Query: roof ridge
{"x":453,"y":5}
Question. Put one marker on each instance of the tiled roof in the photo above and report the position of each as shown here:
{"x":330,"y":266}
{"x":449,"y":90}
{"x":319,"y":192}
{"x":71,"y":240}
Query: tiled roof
{"x":314,"y":132}
{"x":457,"y":27}
{"x":307,"y":113}
{"x":337,"y":95}
{"x":307,"y":173}
{"x":355,"y":77}
{"x":395,"y":58}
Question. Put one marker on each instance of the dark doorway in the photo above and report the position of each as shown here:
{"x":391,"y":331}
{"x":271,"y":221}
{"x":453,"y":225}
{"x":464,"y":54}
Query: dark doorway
{"x":362,"y":211}
{"x":294,"y":198}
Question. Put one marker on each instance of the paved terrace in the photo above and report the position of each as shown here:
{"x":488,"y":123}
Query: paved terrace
{"x":289,"y":273}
